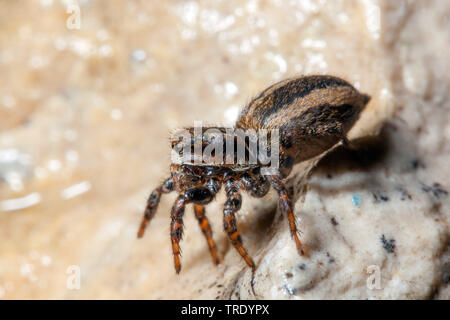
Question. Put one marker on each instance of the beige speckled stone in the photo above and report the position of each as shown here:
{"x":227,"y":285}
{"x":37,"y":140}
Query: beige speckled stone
{"x":84,"y":120}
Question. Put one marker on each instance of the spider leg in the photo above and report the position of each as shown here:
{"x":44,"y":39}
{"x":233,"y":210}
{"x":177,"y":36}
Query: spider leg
{"x":286,"y":207}
{"x":348,"y":144}
{"x":345,"y":142}
{"x":152,"y":204}
{"x":176,"y":230}
{"x":206,"y":229}
{"x":232,"y":205}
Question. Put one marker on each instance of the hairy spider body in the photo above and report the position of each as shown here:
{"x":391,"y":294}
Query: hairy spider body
{"x":312,"y":114}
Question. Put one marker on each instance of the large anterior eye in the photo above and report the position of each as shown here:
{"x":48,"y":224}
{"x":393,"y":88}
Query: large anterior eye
{"x":199,"y":195}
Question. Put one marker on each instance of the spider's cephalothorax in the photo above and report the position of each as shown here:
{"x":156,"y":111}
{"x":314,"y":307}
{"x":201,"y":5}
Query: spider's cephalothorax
{"x":311,"y":114}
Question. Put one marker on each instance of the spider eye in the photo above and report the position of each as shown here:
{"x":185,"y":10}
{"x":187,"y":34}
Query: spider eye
{"x":199,"y":195}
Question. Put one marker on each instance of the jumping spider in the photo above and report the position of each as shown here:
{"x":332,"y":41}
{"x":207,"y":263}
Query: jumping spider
{"x":312,"y":114}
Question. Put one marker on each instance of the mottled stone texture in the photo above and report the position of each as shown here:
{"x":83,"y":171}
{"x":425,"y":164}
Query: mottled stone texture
{"x":85,"y":115}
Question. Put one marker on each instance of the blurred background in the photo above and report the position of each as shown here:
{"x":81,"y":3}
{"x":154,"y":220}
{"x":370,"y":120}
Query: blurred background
{"x":89,"y":91}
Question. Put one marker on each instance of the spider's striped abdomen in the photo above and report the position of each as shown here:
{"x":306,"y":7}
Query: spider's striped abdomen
{"x":313,"y":113}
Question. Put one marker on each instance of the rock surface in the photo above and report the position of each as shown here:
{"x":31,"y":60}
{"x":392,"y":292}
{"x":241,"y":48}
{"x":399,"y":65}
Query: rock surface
{"x":85,"y":116}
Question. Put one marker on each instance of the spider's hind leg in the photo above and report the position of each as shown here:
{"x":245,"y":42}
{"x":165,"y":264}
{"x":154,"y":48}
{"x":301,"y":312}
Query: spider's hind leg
{"x":206,"y":229}
{"x":152,"y":204}
{"x":287,"y":208}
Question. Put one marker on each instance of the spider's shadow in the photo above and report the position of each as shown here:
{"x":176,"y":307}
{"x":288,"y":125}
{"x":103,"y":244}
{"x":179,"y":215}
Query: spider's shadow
{"x":364,"y":154}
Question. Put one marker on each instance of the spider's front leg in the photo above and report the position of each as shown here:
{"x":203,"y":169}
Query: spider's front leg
{"x":176,"y":229}
{"x":152,"y":204}
{"x":232,"y":205}
{"x":206,"y":229}
{"x":287,"y":208}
